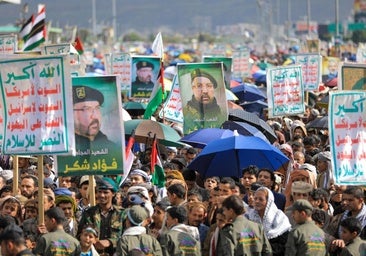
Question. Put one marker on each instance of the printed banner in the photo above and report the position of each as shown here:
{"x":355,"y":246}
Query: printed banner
{"x":70,"y":51}
{"x":172,"y":109}
{"x":347,"y":134}
{"x":352,"y":77}
{"x":36,"y":95}
{"x":121,"y":66}
{"x":145,"y":71}
{"x":98,"y":128}
{"x":311,"y":70}
{"x":241,"y":65}
{"x":203,"y":96}
{"x":285,"y":91}
{"x":361,"y":54}
{"x":8,"y":44}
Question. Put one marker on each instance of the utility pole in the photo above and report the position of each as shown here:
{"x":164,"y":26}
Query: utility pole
{"x":289,"y":22}
{"x":308,"y":17}
{"x":94,"y":19}
{"x":337,"y":38}
{"x":114,"y":15}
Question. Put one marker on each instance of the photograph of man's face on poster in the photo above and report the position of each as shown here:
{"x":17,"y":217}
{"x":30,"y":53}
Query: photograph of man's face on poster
{"x":202,"y":89}
{"x":144,"y":73}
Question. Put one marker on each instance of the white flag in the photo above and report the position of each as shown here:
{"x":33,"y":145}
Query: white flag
{"x":157,"y":46}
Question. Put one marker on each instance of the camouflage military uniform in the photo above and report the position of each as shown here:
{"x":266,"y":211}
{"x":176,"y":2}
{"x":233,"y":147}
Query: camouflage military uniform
{"x":306,"y":239}
{"x":198,"y":115}
{"x":243,"y":237}
{"x":108,"y":227}
{"x":136,"y":237}
{"x":179,"y":240}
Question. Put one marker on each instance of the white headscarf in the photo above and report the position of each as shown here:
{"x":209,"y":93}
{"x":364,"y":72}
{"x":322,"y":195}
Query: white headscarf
{"x":274,"y":221}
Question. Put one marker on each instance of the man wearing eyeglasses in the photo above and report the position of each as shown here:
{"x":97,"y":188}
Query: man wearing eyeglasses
{"x":88,"y":119}
{"x":202,"y":111}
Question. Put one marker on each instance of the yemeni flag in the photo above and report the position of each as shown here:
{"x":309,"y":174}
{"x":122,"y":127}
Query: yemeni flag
{"x":26,"y":28}
{"x":156,"y":97}
{"x":78,"y":45}
{"x":38,"y":32}
{"x":158,"y":176}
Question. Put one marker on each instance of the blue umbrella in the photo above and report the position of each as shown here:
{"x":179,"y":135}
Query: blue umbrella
{"x":255,"y":107}
{"x":228,"y":156}
{"x":201,"y":137}
{"x":244,"y":129}
{"x":247,"y":92}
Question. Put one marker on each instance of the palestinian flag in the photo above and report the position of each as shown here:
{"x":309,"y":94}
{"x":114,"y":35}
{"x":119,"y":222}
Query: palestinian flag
{"x":158,"y":176}
{"x":78,"y":45}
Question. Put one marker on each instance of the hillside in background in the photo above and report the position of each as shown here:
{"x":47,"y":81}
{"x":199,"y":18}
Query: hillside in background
{"x":149,"y":16}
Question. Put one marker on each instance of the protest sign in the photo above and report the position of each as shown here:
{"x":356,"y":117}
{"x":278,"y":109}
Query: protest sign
{"x":311,"y":70}
{"x":36,"y":95}
{"x":98,"y":128}
{"x":285,"y":91}
{"x":172,"y":109}
{"x":347,"y":136}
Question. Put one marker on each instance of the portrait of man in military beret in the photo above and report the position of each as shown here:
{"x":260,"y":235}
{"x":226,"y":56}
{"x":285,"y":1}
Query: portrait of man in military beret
{"x":202,"y":90}
{"x":97,"y":128}
{"x":146,"y":70}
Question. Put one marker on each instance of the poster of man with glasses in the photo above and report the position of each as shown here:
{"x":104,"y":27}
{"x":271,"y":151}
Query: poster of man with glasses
{"x":202,"y":89}
{"x":98,"y":131}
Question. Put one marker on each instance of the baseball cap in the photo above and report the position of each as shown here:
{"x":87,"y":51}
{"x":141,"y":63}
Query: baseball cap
{"x":137,"y":214}
{"x":302,"y":205}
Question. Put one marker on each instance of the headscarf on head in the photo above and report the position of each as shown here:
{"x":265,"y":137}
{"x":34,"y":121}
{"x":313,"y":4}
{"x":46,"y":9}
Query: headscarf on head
{"x":295,"y":175}
{"x":289,"y":167}
{"x":325,"y":179}
{"x":296,"y":124}
{"x":274,"y":221}
{"x":66,"y":199}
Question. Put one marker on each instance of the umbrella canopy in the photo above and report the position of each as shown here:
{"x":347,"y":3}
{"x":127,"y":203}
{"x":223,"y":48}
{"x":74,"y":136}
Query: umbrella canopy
{"x":248,"y":92}
{"x":145,"y":130}
{"x":200,"y":138}
{"x":232,"y":105}
{"x":228,"y":156}
{"x":125,"y":115}
{"x":260,"y":76}
{"x":255,"y":106}
{"x":321,"y":122}
{"x":254,"y":120}
{"x":234,"y":83}
{"x":230,"y":95}
{"x":135,"y":108}
{"x":244,"y":129}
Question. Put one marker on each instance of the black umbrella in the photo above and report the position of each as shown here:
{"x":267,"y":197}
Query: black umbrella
{"x":321,"y":122}
{"x":134,"y":108}
{"x":252,"y":119}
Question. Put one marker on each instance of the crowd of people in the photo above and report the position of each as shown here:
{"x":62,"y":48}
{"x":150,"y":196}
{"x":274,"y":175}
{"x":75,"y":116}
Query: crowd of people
{"x":296,"y":210}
